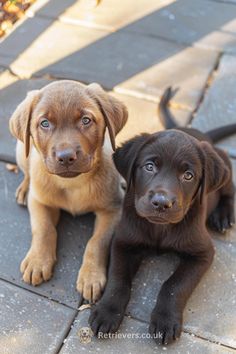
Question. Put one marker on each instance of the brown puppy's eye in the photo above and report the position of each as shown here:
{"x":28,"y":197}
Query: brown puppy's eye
{"x":45,"y":124}
{"x":86,"y":120}
{"x":188,"y":175}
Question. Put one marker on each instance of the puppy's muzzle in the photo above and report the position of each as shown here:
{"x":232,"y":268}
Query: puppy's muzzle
{"x":162,"y":202}
{"x":66,"y":157}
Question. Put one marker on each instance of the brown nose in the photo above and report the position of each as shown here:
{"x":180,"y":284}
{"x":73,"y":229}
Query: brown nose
{"x":66,"y":157}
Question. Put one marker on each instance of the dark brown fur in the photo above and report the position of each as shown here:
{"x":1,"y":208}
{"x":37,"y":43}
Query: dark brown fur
{"x":166,"y":209}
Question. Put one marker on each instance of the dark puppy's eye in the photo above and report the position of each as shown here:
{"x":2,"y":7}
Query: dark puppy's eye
{"x":149,"y":166}
{"x":45,"y":124}
{"x":86,"y":120}
{"x":188,"y":175}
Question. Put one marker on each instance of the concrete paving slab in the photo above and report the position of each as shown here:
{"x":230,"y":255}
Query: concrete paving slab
{"x":219,"y":104}
{"x":15,"y":239}
{"x":143,"y":117}
{"x":21,"y":38}
{"x":47,"y":43}
{"x":133,"y":337}
{"x":202,"y":23}
{"x":12,"y":92}
{"x":182,"y":21}
{"x":153,"y":272}
{"x":51,"y":53}
{"x":54,"y":55}
{"x":188,"y":69}
{"x":31,"y":324}
{"x":211,"y":309}
{"x":226,"y":1}
{"x":114,"y":63}
{"x":107,"y":15}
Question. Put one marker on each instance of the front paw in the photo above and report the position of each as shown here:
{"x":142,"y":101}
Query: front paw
{"x":91,"y":282}
{"x":105,"y":319}
{"x":222,"y":218}
{"x":37,"y":267}
{"x":165,"y":326}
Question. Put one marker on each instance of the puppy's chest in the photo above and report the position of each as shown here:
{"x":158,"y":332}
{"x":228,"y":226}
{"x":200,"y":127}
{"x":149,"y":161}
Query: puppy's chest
{"x":170,"y":239}
{"x":78,"y":200}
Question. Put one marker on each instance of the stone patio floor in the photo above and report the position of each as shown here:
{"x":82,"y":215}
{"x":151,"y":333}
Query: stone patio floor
{"x":134,"y":49}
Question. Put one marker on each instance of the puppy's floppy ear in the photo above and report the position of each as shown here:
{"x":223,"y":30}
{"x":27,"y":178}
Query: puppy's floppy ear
{"x":19,"y":123}
{"x":114,"y":112}
{"x":126,"y":155}
{"x":215,"y":171}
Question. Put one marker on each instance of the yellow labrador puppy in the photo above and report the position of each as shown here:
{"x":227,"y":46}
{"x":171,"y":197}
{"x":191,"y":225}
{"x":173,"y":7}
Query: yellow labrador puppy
{"x":65,"y":156}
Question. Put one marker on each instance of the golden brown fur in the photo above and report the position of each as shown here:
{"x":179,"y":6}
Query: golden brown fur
{"x":68,"y":166}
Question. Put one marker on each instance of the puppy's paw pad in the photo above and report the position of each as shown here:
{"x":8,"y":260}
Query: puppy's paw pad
{"x":36,"y":269}
{"x":90,"y":283}
{"x":103,"y":320}
{"x":165,"y":329}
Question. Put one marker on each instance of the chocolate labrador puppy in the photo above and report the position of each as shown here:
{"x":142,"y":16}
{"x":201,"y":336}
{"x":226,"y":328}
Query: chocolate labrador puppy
{"x":175,"y":182}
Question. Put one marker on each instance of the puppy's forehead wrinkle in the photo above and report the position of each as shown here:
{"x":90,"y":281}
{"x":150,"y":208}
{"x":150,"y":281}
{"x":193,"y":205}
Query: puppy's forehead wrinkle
{"x":62,"y":102}
{"x":171,"y":147}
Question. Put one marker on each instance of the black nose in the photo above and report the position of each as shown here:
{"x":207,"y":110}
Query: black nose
{"x":161,"y":201}
{"x":66,"y":157}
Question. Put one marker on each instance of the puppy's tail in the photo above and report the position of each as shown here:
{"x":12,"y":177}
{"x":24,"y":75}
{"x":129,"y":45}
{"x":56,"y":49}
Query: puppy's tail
{"x":166,"y":118}
{"x":221,"y":132}
{"x":169,"y":122}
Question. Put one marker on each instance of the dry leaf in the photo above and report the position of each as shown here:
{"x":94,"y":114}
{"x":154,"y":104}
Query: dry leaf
{"x":84,"y":307}
{"x":12,"y":168}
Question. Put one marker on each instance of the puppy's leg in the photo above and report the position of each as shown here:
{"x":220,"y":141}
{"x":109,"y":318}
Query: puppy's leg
{"x":166,"y":318}
{"x":23,"y":163}
{"x":107,"y":315}
{"x":92,"y":275}
{"x":223,"y":217}
{"x":22,"y":190}
{"x":38,"y":263}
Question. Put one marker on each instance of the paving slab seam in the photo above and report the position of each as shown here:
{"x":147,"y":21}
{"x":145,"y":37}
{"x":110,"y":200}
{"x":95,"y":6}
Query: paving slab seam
{"x":169,"y":40}
{"x":38,"y":294}
{"x":119,"y":90}
{"x":51,"y":77}
{"x":208,"y":84}
{"x":85,"y":24}
{"x":185,"y":331}
{"x":7,"y":159}
{"x":67,"y":333}
{"x":149,"y":98}
{"x":224,"y":2}
{"x":209,"y":340}
{"x":9,"y":69}
{"x":116,"y":89}
{"x":124,"y":29}
{"x":76,"y":23}
{"x":81,"y":23}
